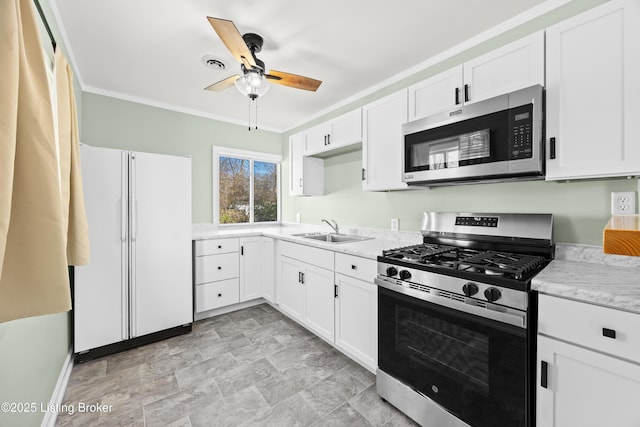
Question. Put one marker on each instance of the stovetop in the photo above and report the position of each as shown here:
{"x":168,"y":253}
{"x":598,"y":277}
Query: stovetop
{"x":485,"y":264}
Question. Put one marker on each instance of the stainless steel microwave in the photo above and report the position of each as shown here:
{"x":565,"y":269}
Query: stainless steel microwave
{"x":498,"y":139}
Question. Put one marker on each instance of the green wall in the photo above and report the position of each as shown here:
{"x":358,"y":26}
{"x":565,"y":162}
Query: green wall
{"x":581,"y":208}
{"x":114,"y":123}
{"x":32,"y":353}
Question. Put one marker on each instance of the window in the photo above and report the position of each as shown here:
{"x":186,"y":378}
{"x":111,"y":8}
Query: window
{"x":246,"y":186}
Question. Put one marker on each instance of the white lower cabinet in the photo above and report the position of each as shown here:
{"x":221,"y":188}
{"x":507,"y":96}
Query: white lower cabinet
{"x":217,"y":272}
{"x":588,"y":370}
{"x":306,"y":290}
{"x":256,"y":268}
{"x":357,"y":319}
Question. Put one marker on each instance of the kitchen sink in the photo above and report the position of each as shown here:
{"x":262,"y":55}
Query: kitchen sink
{"x":332,"y":237}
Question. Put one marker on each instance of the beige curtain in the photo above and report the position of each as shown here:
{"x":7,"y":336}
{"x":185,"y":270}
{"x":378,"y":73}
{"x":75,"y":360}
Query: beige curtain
{"x":73,"y":212}
{"x":33,"y":241}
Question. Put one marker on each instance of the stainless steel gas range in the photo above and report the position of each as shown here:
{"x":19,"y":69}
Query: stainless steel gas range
{"x":456,"y":326}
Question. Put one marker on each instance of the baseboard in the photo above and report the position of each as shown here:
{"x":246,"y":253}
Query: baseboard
{"x":228,"y":309}
{"x":58,"y":392}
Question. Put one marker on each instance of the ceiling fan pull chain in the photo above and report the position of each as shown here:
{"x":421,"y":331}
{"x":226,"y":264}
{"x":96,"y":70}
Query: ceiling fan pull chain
{"x":249,"y":114}
{"x":256,"y":128}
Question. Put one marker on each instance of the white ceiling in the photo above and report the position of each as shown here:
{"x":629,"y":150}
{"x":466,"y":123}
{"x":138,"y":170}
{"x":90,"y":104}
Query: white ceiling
{"x":150,"y":51}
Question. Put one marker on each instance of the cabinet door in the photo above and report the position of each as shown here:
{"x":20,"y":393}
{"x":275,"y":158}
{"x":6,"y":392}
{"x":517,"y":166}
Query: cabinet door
{"x":345,"y":130}
{"x":585,"y":388}
{"x":592,"y":68}
{"x":435,"y":94}
{"x":268,"y":280}
{"x":291,"y":293}
{"x":357,"y":319}
{"x":319,"y":300}
{"x":316,"y":138}
{"x":382,"y":146}
{"x":296,"y":148}
{"x":252,"y":268}
{"x":512,"y":67}
{"x":306,"y":174}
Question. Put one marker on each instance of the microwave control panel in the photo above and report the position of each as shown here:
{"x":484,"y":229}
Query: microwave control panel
{"x":521,"y":137}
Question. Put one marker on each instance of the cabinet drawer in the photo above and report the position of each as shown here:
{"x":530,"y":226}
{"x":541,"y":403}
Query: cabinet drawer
{"x":217,"y":294}
{"x":355,"y":266}
{"x":211,"y":268}
{"x":216,"y":246}
{"x":590,"y":326}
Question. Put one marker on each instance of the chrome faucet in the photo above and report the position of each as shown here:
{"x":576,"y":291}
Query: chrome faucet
{"x":334,"y":225}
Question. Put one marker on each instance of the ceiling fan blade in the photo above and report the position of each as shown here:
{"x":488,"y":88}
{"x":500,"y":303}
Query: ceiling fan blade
{"x":293,"y":80}
{"x":231,"y":37}
{"x":223,"y":84}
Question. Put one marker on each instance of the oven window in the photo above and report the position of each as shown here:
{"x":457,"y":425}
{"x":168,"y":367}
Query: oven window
{"x":473,"y":367}
{"x":459,"y":350}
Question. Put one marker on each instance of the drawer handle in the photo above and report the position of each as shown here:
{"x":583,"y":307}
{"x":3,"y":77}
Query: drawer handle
{"x":219,"y":295}
{"x":609,"y":333}
{"x":354,"y":267}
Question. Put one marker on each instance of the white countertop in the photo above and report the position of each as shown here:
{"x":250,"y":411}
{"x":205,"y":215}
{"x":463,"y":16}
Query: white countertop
{"x":380,"y":240}
{"x":608,"y":285}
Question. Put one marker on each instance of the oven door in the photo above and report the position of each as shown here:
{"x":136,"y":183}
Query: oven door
{"x":473,"y":367}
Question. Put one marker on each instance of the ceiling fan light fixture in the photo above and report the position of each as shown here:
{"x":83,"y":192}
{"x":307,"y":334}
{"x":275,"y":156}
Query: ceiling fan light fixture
{"x":253,"y":84}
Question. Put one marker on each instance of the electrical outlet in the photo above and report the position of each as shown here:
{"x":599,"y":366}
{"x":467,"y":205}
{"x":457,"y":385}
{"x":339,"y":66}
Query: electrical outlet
{"x":623,"y":203}
{"x":395,"y":224}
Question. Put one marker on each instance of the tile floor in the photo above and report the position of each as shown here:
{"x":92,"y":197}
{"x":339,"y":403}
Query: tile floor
{"x":250,"y":367}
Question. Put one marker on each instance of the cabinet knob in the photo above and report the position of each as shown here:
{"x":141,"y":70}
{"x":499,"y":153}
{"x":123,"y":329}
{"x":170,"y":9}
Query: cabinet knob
{"x":609,"y":333}
{"x":219,"y":268}
{"x":219,"y":246}
{"x":219,"y":295}
{"x":354,"y":267}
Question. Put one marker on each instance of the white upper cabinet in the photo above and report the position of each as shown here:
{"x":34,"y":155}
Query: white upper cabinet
{"x":337,"y":133}
{"x":306,"y":174}
{"x":593,"y":64}
{"x":515,"y":66}
{"x":435,"y":94}
{"x":512,"y":67}
{"x":382,"y":143}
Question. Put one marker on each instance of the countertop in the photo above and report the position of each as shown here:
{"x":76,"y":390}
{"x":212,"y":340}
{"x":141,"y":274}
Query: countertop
{"x":379,"y":239}
{"x":613,"y":286}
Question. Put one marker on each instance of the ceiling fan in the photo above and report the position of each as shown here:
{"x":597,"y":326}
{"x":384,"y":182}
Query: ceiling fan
{"x":253,"y":81}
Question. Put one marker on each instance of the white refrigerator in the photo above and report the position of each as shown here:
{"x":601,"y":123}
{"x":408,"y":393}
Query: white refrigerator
{"x":138,"y":281}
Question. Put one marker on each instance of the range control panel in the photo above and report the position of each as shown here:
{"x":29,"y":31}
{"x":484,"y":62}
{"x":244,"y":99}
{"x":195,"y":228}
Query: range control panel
{"x":477,"y":221}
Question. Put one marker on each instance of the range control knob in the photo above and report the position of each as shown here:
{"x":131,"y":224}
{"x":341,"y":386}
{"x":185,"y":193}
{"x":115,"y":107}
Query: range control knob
{"x":492,"y":294}
{"x":405,"y":275}
{"x":392,"y":271}
{"x":470,"y":289}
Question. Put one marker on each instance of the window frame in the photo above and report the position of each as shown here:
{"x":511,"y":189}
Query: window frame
{"x":252,"y":156}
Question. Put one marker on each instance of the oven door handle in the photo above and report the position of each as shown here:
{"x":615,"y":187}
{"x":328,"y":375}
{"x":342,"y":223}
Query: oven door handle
{"x":510,"y":316}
